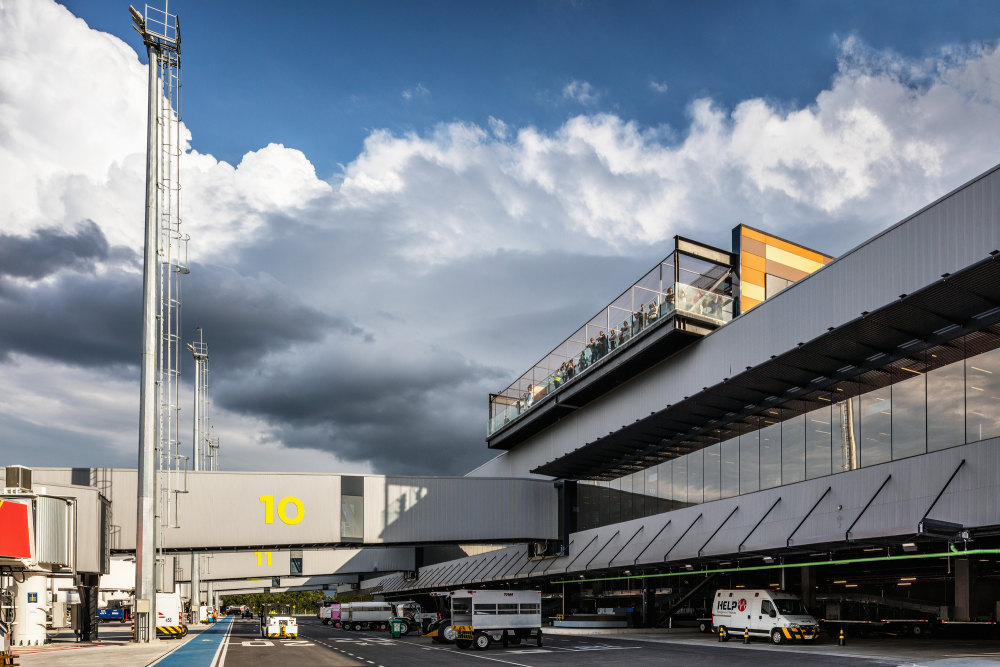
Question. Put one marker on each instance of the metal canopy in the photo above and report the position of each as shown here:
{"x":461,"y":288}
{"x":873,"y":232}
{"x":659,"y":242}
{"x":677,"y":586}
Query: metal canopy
{"x":857,"y":357}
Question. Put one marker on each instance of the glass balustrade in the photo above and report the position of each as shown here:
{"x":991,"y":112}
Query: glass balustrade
{"x":703,"y":291}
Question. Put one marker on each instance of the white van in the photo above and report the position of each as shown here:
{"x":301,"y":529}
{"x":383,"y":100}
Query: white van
{"x":764,"y":613}
{"x":169,"y":623}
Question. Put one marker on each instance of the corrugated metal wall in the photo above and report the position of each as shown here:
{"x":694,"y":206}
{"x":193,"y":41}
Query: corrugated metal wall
{"x":53,"y":531}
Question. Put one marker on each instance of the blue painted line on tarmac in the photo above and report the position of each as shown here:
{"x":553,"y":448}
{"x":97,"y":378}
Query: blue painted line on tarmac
{"x":200,"y":650}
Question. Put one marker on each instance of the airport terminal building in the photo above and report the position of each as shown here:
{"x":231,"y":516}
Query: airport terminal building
{"x":757,"y":416}
{"x":767,"y":415}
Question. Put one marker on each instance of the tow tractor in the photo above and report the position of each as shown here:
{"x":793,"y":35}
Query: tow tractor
{"x":438,"y":626}
{"x":412,"y":616}
{"x":277,"y":620}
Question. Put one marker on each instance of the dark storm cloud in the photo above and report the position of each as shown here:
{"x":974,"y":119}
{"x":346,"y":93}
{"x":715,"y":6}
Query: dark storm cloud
{"x":246,"y":317}
{"x":49,"y":250}
{"x":413,"y":409}
{"x":94,"y":319}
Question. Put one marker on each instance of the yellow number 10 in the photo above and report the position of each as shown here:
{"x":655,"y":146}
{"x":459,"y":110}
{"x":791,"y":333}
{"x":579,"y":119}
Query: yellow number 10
{"x":282,"y":504}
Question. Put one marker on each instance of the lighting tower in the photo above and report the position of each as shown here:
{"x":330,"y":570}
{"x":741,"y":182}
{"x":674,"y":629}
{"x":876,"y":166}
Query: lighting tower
{"x":164,"y":261}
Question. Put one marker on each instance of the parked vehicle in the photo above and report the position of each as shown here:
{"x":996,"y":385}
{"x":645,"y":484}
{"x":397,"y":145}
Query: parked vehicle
{"x":366,"y":615}
{"x":438,"y":624}
{"x":106,"y":614}
{"x":480,"y":618}
{"x":169,"y":623}
{"x":764,"y":613}
{"x":411,"y":616}
{"x":329,"y":613}
{"x":278,"y":620}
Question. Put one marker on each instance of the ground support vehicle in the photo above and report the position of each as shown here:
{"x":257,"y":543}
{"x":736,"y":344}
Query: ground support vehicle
{"x":277,"y":621}
{"x":480,"y":618}
{"x":169,"y":624}
{"x":777,"y":615}
{"x":366,"y":616}
{"x":108,"y":614}
{"x":329,"y":613}
{"x":437,"y":626}
{"x":411,"y":616}
{"x":861,"y":614}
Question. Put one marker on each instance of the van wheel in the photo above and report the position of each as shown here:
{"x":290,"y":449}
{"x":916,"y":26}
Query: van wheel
{"x":538,"y":639}
{"x":916,"y":630}
{"x":448,"y":633}
{"x":481,"y":641}
{"x":404,"y":628}
{"x":702,"y":627}
{"x":382,"y":627}
{"x":357,"y":627}
{"x":777,"y":637}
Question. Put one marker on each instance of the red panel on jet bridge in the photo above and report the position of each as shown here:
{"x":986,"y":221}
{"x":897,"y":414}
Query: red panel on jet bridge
{"x":15,"y":540}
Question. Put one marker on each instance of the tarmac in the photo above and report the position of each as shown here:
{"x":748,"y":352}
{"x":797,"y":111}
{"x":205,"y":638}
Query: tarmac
{"x":116,"y":648}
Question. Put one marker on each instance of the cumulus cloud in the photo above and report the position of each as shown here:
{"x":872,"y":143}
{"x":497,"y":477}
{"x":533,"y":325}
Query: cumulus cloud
{"x":582,"y":92}
{"x":417,"y":91}
{"x":361,"y":319}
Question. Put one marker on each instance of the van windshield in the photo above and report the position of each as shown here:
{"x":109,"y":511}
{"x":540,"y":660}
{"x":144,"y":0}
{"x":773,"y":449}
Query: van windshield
{"x":790,"y":607}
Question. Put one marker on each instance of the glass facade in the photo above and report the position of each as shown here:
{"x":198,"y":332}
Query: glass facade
{"x":924,"y":411}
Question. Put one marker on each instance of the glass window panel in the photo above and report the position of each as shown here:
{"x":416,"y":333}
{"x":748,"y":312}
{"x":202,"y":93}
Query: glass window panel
{"x":819,"y":438}
{"x":696,"y":476}
{"x":713,"y":472}
{"x":604,"y":510}
{"x":876,"y":427}
{"x":982,"y":387}
{"x":625,"y":492}
{"x":680,"y":481}
{"x":946,"y":401}
{"x":652,"y":497}
{"x":750,"y":461}
{"x":793,"y":449}
{"x":845,"y":434}
{"x":352,"y":517}
{"x":731,"y":468}
{"x":664,"y":486}
{"x":909,"y":416}
{"x":770,"y":455}
{"x":615,"y":513}
{"x":638,"y":494}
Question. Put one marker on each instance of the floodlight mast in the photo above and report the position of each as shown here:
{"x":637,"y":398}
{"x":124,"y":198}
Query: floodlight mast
{"x":161,"y":39}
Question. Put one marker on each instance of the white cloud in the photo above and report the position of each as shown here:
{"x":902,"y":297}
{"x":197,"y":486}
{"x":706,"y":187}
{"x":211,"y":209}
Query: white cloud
{"x":581,"y":92}
{"x":887,"y":136}
{"x":658,"y":87}
{"x":417,"y":91}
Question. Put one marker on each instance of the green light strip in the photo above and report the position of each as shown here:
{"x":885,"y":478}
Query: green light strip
{"x":953,"y":552}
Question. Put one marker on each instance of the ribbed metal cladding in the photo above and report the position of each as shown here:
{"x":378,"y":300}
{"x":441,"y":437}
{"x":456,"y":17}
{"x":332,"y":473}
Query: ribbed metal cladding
{"x":52,"y":531}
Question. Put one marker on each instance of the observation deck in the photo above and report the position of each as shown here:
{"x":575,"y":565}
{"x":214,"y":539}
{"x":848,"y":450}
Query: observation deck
{"x":684,"y":297}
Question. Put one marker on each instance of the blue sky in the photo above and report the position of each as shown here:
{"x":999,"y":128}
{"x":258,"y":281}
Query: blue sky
{"x":398,"y":208}
{"x":319,"y":76}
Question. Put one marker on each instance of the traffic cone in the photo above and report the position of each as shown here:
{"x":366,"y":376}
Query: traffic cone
{"x":746,"y":635}
{"x":722,"y":634}
{"x":841,"y":642}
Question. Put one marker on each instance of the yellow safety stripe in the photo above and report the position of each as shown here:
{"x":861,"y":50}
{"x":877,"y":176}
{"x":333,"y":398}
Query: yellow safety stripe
{"x":170,"y":629}
{"x":797,"y":633}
